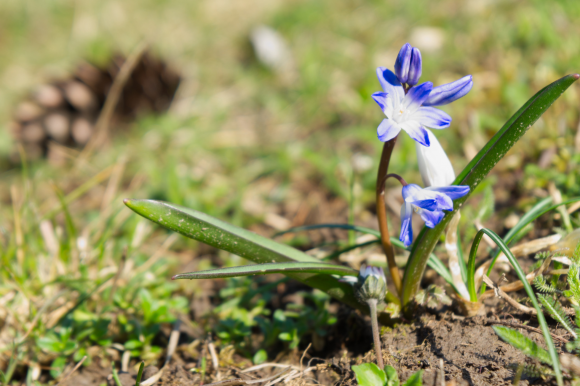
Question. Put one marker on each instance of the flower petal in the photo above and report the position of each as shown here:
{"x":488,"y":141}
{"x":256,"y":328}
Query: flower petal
{"x":410,"y":190}
{"x":444,"y":202}
{"x":454,"y":192}
{"x":381,"y":99}
{"x":431,"y":218}
{"x":428,"y":204}
{"x":432,"y":117}
{"x":416,"y":95}
{"x":403,"y":61}
{"x":406,"y":229}
{"x":434,"y":165}
{"x":390,"y":84}
{"x":447,"y":93}
{"x":387,"y":130}
{"x":415,"y":68}
{"x":416,"y":131}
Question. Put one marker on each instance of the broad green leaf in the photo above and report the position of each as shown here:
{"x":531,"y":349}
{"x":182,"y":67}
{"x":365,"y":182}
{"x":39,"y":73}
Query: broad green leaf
{"x":523,"y":343}
{"x":392,"y":376}
{"x":474,"y":173}
{"x":219,"y":234}
{"x":415,"y":379}
{"x":265,"y":269}
{"x":369,"y":374}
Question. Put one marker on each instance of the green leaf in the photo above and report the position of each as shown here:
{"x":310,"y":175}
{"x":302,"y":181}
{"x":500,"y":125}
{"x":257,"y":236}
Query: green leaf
{"x":369,"y":374}
{"x":133,"y":344}
{"x":50,"y":343}
{"x":474,"y":173}
{"x":523,"y":343}
{"x":265,"y":269}
{"x":219,"y":234}
{"x":415,"y":379}
{"x":392,"y":376}
{"x":557,"y":312}
{"x":260,"y":357}
{"x":57,"y":367}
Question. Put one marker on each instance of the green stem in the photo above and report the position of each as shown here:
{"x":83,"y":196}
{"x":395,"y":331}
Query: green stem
{"x":376,"y":334}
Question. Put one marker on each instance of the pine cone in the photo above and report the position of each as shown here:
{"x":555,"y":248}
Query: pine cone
{"x":66,"y":111}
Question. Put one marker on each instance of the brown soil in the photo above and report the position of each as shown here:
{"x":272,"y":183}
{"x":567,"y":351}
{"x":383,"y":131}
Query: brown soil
{"x":471,"y":352}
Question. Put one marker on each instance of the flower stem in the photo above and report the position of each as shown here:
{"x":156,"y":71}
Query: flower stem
{"x":382,"y":213}
{"x":376,"y":335}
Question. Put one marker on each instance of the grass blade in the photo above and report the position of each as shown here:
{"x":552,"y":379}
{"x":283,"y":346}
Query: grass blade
{"x":269,"y":268}
{"x":139,"y":374}
{"x":522,"y":276}
{"x":522,"y":343}
{"x":538,"y":210}
{"x":474,"y":173}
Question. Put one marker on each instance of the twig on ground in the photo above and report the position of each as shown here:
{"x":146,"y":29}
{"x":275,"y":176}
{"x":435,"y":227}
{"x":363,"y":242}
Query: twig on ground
{"x":512,"y":302}
{"x":125,"y":361}
{"x":441,"y":372}
{"x":518,"y":285}
{"x":304,"y":354}
{"x":102,"y":126}
{"x":72,"y":371}
{"x":240,"y":382}
{"x":214,"y":359}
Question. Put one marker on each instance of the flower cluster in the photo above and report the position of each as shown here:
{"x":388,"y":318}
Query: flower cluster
{"x":409,"y":106}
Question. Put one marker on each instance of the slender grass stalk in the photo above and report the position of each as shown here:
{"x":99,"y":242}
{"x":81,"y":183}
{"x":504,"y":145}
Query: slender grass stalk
{"x":116,"y":377}
{"x":522,"y":276}
{"x":376,"y":332}
{"x":382,"y":214}
{"x":538,"y":210}
{"x":139,"y":374}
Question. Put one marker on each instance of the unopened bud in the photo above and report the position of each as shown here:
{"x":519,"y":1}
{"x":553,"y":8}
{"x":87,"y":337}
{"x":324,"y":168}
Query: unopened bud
{"x":371,"y":284}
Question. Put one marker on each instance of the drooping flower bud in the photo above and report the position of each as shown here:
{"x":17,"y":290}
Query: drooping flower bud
{"x":371,"y":284}
{"x":434,"y":165}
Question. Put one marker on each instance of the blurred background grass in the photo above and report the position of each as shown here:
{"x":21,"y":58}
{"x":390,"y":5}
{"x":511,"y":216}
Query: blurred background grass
{"x":253,"y":145}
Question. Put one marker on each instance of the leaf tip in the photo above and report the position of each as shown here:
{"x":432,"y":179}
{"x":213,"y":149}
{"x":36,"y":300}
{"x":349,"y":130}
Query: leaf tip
{"x":576,"y":76}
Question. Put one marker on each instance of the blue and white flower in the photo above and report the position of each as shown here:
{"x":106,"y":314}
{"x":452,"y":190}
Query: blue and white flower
{"x":429,"y":203}
{"x":411,"y":108}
